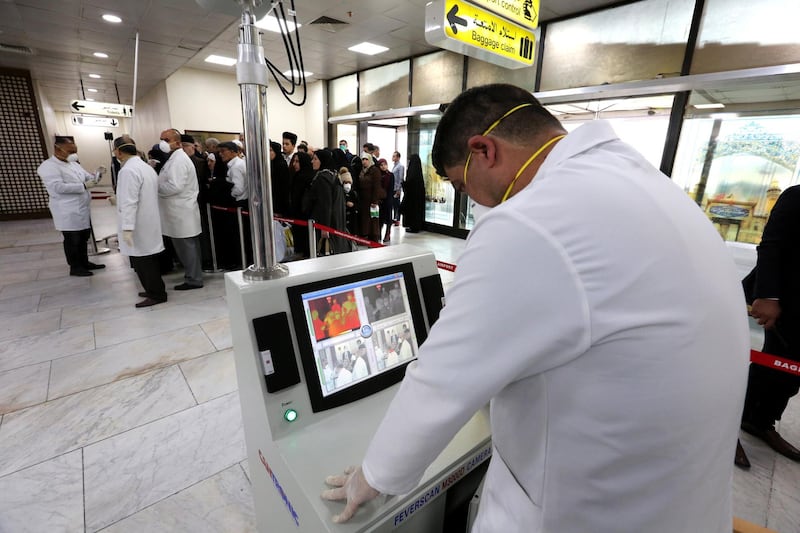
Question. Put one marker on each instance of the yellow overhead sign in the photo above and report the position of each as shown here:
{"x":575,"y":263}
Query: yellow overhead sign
{"x":523,"y":12}
{"x":477,"y":27}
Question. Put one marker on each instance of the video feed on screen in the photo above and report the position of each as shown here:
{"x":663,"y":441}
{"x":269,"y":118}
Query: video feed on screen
{"x":359,"y":330}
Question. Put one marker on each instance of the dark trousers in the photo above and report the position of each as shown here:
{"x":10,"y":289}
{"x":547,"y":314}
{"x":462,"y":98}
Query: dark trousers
{"x":148,"y":269}
{"x":75,"y":243}
{"x":768,"y":390}
{"x":395,"y":208}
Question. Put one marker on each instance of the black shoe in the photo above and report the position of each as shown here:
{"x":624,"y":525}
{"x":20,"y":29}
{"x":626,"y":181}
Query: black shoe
{"x":81,"y":273}
{"x":740,"y":459}
{"x":143,"y":295}
{"x":147,"y":302}
{"x":186,"y":287}
{"x":94,"y":266}
{"x":773,"y":440}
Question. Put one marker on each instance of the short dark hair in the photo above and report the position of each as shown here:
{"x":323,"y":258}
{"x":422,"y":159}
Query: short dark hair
{"x":229,"y":145}
{"x":397,"y":154}
{"x":125,"y":144}
{"x":474,"y":110}
{"x":291,"y":136}
{"x":64,"y":139}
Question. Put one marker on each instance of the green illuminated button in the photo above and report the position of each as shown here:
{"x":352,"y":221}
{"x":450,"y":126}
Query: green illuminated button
{"x":290,"y":415}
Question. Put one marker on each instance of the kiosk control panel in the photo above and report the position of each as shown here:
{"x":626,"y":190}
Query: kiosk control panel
{"x":319,"y":356}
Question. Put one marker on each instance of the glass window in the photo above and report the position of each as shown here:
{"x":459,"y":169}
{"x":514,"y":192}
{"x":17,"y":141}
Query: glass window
{"x":641,"y":122}
{"x":437,"y":78}
{"x":481,"y":73}
{"x":735,"y":167}
{"x":384,"y":87}
{"x":640,"y":41}
{"x":738,"y":34}
{"x":343,"y":95}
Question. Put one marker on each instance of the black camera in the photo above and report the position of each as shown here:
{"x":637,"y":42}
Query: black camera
{"x":108,"y":136}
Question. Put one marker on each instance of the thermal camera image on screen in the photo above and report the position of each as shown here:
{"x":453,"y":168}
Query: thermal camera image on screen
{"x":359,"y":330}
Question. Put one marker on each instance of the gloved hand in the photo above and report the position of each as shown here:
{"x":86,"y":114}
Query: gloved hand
{"x":353,"y":487}
{"x":88,"y":184}
{"x":127,"y":237}
{"x":99,"y":173}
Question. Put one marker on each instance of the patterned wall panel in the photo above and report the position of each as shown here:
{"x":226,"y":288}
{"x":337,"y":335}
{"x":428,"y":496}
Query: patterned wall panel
{"x":22,"y":149}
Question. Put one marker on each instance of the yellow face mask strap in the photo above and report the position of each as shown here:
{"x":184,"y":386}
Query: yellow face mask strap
{"x":489,"y":130}
{"x":527,"y":163}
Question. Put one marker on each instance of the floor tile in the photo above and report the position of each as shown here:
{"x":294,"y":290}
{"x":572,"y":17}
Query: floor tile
{"x":219,"y":331}
{"x":44,"y":431}
{"x":133,"y":470}
{"x":223,"y":502}
{"x":23,"y":258}
{"x":45,"y":497}
{"x":211,"y":376}
{"x":21,"y":305}
{"x":27,"y":324}
{"x":24,"y":351}
{"x":114,"y":331}
{"x":72,"y":283}
{"x":23,"y":387}
{"x":105,"y":365}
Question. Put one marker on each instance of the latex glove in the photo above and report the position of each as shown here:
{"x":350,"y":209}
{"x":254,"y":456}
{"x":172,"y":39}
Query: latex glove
{"x":89,"y":184}
{"x":127,"y":237}
{"x":353,"y":487}
{"x":766,"y":312}
{"x":112,"y":200}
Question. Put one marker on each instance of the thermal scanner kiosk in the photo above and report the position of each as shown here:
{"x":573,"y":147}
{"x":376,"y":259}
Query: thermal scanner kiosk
{"x":319,"y":356}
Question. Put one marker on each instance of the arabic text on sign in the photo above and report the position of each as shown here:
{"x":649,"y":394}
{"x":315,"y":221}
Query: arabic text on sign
{"x":523,"y":12}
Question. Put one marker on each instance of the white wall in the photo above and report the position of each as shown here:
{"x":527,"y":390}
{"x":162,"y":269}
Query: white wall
{"x":151,"y":117}
{"x":93,"y":149}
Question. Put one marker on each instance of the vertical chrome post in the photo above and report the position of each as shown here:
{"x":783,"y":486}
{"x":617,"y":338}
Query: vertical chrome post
{"x":213,"y":242}
{"x":251,"y":74}
{"x":312,"y":239}
{"x":241,"y":237}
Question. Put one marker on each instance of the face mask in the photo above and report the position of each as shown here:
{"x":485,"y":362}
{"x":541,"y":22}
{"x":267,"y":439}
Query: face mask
{"x":347,"y":187}
{"x":343,"y":147}
{"x":164,"y":147}
{"x":478,"y":210}
{"x":72,"y":158}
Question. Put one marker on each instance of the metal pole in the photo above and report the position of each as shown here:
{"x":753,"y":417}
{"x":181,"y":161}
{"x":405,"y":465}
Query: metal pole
{"x":312,"y":239}
{"x":94,"y":249}
{"x":213,"y":244}
{"x":241,"y":236}
{"x":251,"y":74}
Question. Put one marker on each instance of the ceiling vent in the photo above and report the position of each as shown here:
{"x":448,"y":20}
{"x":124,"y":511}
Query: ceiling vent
{"x":329,"y":24}
{"x":14,"y":49}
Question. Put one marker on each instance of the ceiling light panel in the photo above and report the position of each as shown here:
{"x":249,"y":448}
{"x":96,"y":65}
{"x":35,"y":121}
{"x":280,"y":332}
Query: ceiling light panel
{"x":368,"y":48}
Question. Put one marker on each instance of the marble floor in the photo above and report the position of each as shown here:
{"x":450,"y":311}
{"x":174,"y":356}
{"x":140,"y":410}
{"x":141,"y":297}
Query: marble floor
{"x":119,"y":419}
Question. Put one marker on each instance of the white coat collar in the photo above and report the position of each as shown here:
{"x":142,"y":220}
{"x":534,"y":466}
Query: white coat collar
{"x":583,"y":138}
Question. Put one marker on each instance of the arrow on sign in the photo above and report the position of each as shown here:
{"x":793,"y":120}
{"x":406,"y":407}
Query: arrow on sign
{"x":76,"y":106}
{"x":453,"y":19}
{"x":114,"y":122}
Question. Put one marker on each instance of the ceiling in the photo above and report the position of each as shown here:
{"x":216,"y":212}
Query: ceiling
{"x":65,"y":34}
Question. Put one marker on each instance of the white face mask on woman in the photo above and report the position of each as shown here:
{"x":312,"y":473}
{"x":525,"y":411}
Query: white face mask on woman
{"x":347,"y":187}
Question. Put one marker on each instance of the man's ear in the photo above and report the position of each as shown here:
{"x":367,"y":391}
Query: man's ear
{"x":483,"y":146}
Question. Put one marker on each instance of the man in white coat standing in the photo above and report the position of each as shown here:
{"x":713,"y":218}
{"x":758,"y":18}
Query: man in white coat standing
{"x":139,"y":223}
{"x":68,"y":185}
{"x":180,"y":214}
{"x":616,"y":352}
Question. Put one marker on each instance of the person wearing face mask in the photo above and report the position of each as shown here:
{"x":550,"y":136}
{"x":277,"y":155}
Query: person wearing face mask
{"x":68,"y":185}
{"x":412,"y":206}
{"x":350,"y":201}
{"x":180,"y":214}
{"x":343,"y":148}
{"x":619,"y":344}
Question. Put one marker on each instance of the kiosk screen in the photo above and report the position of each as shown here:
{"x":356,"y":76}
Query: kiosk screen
{"x":356,"y":333}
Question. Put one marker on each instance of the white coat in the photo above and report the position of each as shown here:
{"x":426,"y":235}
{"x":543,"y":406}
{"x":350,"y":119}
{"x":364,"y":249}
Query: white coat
{"x":360,"y":369}
{"x":237,"y":175}
{"x":615,"y":355}
{"x":69,"y":199}
{"x":177,"y":192}
{"x":137,"y":208}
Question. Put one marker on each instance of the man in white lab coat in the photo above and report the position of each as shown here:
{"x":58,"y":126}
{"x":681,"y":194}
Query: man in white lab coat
{"x":139,"y":223}
{"x":180,"y":214}
{"x":615,"y":353}
{"x":68,"y":185}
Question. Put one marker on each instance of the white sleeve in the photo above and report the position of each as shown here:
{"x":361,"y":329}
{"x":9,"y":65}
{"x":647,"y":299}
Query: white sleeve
{"x":128,"y":187}
{"x":238,"y":179}
{"x":173,"y":179}
{"x":54,"y":181}
{"x":517,"y":308}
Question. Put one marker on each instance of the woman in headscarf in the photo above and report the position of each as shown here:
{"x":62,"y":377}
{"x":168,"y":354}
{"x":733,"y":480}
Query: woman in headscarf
{"x":387,"y":182}
{"x":324,"y":200}
{"x":370,"y":194}
{"x":413,"y":205}
{"x":280,"y":183}
{"x":302,"y":175}
{"x":350,"y":200}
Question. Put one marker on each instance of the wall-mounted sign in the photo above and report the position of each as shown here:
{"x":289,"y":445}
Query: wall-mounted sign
{"x":105,"y":122}
{"x":729,"y":211}
{"x":461,"y":27}
{"x":523,"y":12}
{"x":101,"y":108}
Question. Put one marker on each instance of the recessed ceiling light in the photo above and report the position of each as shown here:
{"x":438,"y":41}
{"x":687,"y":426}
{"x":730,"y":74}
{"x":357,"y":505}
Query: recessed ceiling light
{"x":270,"y":23}
{"x":368,"y":48}
{"x":92,"y":90}
{"x":296,"y":73}
{"x":101,"y":55}
{"x":95,"y":76}
{"x":112,"y":18}
{"x":90,"y":99}
{"x":709,"y":106}
{"x":220,"y":60}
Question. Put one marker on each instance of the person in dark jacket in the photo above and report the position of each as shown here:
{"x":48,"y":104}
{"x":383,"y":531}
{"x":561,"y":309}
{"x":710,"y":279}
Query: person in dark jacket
{"x":302,"y":173}
{"x":413,"y":205}
{"x":280,"y":182}
{"x":387,"y":183}
{"x":350,"y":200}
{"x":370,"y":194}
{"x":324,"y":200}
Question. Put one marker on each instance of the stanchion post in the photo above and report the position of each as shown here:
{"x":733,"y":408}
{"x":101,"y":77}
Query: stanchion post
{"x":241,"y":236}
{"x":95,"y":250}
{"x":312,"y":239}
{"x":214,"y":264}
